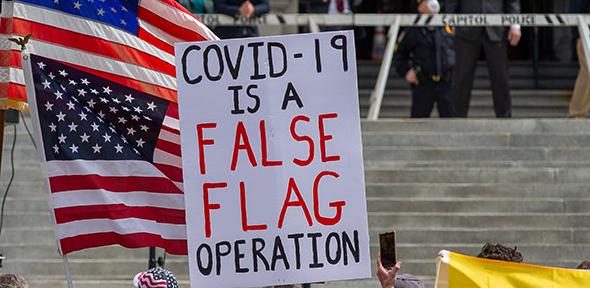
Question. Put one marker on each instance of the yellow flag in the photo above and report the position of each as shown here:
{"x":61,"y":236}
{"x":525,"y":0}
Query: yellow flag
{"x":460,"y":271}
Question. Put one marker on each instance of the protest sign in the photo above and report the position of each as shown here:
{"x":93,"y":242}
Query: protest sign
{"x":272,"y":160}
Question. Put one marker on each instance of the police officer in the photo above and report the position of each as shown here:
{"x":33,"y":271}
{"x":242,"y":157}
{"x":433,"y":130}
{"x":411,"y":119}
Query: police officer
{"x":425,"y":56}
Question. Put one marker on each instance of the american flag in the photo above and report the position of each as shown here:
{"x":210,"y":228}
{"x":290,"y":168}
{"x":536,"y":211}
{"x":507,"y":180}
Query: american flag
{"x":128,"y":41}
{"x":112,"y":158}
{"x":155,"y":278}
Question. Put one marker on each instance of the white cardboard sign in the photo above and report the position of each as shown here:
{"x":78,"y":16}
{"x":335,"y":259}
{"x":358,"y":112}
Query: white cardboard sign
{"x":272,"y":159}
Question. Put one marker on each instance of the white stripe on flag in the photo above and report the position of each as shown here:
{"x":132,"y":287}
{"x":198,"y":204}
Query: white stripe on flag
{"x":105,"y":168}
{"x":103,"y":197}
{"x":158,"y":33}
{"x":121,"y":226}
{"x":7,"y":9}
{"x":171,"y":122}
{"x":163,"y":157}
{"x":170,"y":137}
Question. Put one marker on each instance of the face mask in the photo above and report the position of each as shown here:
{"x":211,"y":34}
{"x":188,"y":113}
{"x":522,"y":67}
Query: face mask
{"x":433,"y":6}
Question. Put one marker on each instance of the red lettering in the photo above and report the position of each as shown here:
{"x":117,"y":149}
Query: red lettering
{"x":299,"y":202}
{"x":265,"y":161}
{"x":245,"y":226}
{"x":316,"y":201}
{"x":207,"y":207}
{"x":242,"y":143}
{"x":304,"y":138}
{"x":203,"y":142}
{"x":326,"y":137}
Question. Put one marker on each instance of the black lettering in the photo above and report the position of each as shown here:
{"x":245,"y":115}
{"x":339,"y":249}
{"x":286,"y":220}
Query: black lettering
{"x":234,"y":67}
{"x":207,"y":51}
{"x":296,"y":238}
{"x":187,"y":78}
{"x":336,"y":258}
{"x":318,"y":56}
{"x":255,"y":56}
{"x":256,"y":253}
{"x":219,"y":254}
{"x":342,"y":46}
{"x":354,"y":248}
{"x":291,"y":95}
{"x":237,"y":110}
{"x":205,"y":270}
{"x":314,"y":247}
{"x":238,"y":256}
{"x":255,"y":97}
{"x":278,"y":252}
{"x":271,"y":63}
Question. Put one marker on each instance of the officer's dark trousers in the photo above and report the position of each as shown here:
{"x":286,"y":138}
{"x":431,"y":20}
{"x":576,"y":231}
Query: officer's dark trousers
{"x":425,"y":95}
{"x":468,"y":52}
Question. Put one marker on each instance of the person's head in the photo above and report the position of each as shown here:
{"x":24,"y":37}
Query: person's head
{"x":500,"y":252}
{"x":12,"y":281}
{"x":430,"y":7}
{"x":152,"y":276}
{"x":584,"y":265}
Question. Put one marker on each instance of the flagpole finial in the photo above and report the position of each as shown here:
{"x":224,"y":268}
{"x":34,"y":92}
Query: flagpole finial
{"x":22,"y":41}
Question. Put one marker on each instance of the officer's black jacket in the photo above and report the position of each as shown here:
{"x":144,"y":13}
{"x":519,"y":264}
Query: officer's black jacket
{"x":418,"y":47}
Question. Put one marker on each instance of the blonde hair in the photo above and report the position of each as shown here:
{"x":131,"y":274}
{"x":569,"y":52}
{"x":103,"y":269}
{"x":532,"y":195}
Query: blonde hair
{"x":13,"y":281}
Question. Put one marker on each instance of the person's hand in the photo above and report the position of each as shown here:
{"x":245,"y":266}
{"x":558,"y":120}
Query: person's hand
{"x":387,"y":275}
{"x":514,"y":36}
{"x":411,"y":77}
{"x":247,"y":9}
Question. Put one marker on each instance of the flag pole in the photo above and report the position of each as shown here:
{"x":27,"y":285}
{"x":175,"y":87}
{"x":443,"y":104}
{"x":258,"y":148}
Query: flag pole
{"x":67,"y":270}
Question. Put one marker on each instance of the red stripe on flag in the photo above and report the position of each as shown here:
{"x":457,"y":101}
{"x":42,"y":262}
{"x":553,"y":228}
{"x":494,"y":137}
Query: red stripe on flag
{"x":135,"y":240}
{"x":93,"y":45}
{"x":169,"y":147}
{"x":113,"y":184}
{"x":171,"y":130}
{"x":169,"y":27}
{"x":13,"y":91}
{"x":118,"y":211}
{"x":172,"y":111}
{"x":148,"y":37}
{"x":172,"y":172}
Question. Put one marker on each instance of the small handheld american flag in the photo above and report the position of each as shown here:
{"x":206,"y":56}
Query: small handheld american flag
{"x":113,"y":160}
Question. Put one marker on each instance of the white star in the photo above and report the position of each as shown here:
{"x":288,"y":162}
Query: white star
{"x":107,"y":90}
{"x":84,"y":137}
{"x":41,"y":65}
{"x":136,"y":152}
{"x":61,"y":116}
{"x":74,"y":148}
{"x":85,"y":81}
{"x":48,"y":106}
{"x":113,"y":110}
{"x":129,"y":98}
{"x":51,"y":75}
{"x":71,"y":106}
{"x":73,"y":127}
{"x":62,"y":138}
{"x":87,"y":109}
{"x":123,"y":8}
{"x":124,"y":140}
{"x":58,"y":95}
{"x":82,"y":92}
{"x":93,"y":91}
{"x":130,"y":131}
{"x":100,"y":12}
{"x":116,"y":100}
{"x":122,"y":120}
{"x":94,"y":126}
{"x":104,"y":100}
{"x":55,"y":149}
{"x":53,"y":127}
{"x":113,"y":9}
{"x":151,"y":106}
{"x":107,"y":137}
{"x":82,"y":116}
{"x":147,"y":118}
{"x":137,"y":109}
{"x":46,"y":84}
{"x":91,"y":103}
{"x":119,"y":148}
{"x":123,"y":22}
{"x":72,"y":82}
{"x":135,"y":117}
{"x":96,"y":148}
{"x":101,"y":114}
{"x":56,"y":1}
{"x":144,"y":128}
{"x":63,"y":73}
{"x":140,"y":142}
{"x":125,"y":108}
{"x":113,"y":129}
{"x":77,"y":5}
{"x":62,"y":87}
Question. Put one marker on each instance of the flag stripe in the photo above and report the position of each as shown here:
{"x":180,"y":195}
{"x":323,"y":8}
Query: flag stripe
{"x":119,"y":211}
{"x":114,"y":184}
{"x":129,"y":226}
{"x":169,"y":147}
{"x":172,"y":172}
{"x":135,"y":240}
{"x":110,"y":168}
{"x":104,"y":197}
{"x":164,"y":157}
{"x":169,"y":136}
{"x":157,"y":42}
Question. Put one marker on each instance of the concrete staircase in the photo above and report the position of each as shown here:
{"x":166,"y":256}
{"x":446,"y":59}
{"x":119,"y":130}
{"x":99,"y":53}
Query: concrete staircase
{"x":547,"y":98}
{"x":440,"y":184}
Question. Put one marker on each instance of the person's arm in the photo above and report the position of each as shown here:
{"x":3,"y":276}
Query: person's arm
{"x":513,"y":7}
{"x":221,"y":6}
{"x":386,"y":276}
{"x":451,"y":6}
{"x":401,"y":60}
{"x":262,"y":7}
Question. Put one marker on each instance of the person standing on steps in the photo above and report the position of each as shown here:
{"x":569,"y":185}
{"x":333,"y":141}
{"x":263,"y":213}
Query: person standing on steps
{"x":468,"y":44}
